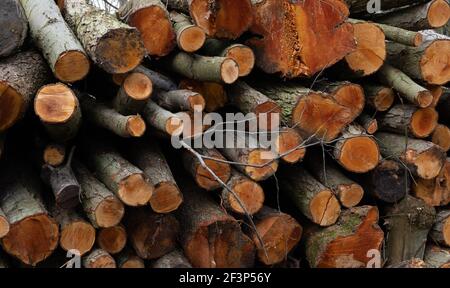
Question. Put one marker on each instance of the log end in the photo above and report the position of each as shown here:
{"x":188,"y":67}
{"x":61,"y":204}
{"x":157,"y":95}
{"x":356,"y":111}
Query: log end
{"x":289,"y":145}
{"x":196,"y":102}
{"x":133,"y":262}
{"x":4,"y":226}
{"x":109,"y":212}
{"x":54,"y":155}
{"x":55,"y":103}
{"x":441,"y":137}
{"x":429,"y":163}
{"x":229,"y":71}
{"x":166,"y":198}
{"x":136,"y":126}
{"x":72,"y":66}
{"x":325,"y":208}
{"x":424,"y":122}
{"x":372,"y":126}
{"x":12,"y":105}
{"x":359,"y":154}
{"x":436,"y":191}
{"x":350,"y":195}
{"x":205,"y":180}
{"x":244,"y":57}
{"x":138,"y":86}
{"x":112,"y":239}
{"x":266,"y":114}
{"x":438,"y":13}
{"x":384,"y":99}
{"x":135,"y":190}
{"x":174,"y":126}
{"x":78,"y":235}
{"x":435,"y":62}
{"x":263,"y":158}
{"x":251,"y":195}
{"x":191,"y":39}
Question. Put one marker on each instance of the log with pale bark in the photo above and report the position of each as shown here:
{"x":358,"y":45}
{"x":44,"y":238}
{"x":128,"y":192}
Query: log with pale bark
{"x":441,"y":137}
{"x":378,"y":97}
{"x":134,"y":92}
{"x":180,"y":100}
{"x":369,"y":123}
{"x":162,"y":120}
{"x":214,"y":94}
{"x":190,"y":37}
{"x":98,"y":259}
{"x":174,"y":259}
{"x":128,"y":259}
{"x":112,"y":239}
{"x":440,"y":232}
{"x":159,"y":80}
{"x":15,"y":27}
{"x":437,"y":257}
{"x":436,"y":191}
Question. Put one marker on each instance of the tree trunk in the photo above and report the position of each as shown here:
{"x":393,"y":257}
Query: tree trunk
{"x":112,"y":45}
{"x":298,"y":43}
{"x":180,"y":100}
{"x":369,"y":123}
{"x":112,"y":239}
{"x":437,"y":257}
{"x":440,"y":233}
{"x":190,"y":37}
{"x":408,"y":223}
{"x":441,"y":137}
{"x":152,"y":20}
{"x":174,"y":259}
{"x":435,"y":192}
{"x":127,"y":259}
{"x":133,"y":94}
{"x":98,"y":258}
{"x":159,"y":80}
{"x":214,"y":93}
{"x":346,"y":244}
{"x":63,"y":51}
{"x":21,"y":76}
{"x":14,"y":27}
{"x":311,"y":197}
{"x":378,"y":97}
{"x":162,"y":120}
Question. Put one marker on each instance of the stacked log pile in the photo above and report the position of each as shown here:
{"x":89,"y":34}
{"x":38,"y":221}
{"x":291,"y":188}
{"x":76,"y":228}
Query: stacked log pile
{"x":101,"y":113}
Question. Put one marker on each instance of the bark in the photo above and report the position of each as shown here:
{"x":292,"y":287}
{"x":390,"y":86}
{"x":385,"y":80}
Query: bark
{"x":407,"y":224}
{"x":214,"y":94}
{"x":64,"y":53}
{"x":98,"y":258}
{"x":21,"y":76}
{"x":440,"y":233}
{"x":162,"y":120}
{"x":112,"y":239}
{"x":15,"y":27}
{"x":311,"y":197}
{"x":133,"y":94}
{"x":112,"y":45}
{"x":180,"y":100}
{"x":190,"y":37}
{"x":159,"y":80}
{"x":441,"y":137}
{"x":100,"y":205}
{"x":435,"y":192}
{"x":152,"y":20}
{"x":437,"y":257}
{"x":174,"y":259}
{"x":127,"y":259}
{"x":346,"y":244}
{"x":379,"y":98}
{"x":369,"y":123}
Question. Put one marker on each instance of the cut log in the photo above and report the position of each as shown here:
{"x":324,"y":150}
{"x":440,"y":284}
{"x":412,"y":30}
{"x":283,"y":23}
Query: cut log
{"x":54,"y":154}
{"x":127,"y":181}
{"x":127,"y":259}
{"x":433,"y":14}
{"x":242,"y":54}
{"x":437,"y":91}
{"x":423,"y":158}
{"x":388,"y":182}
{"x":152,"y":20}
{"x":109,"y":119}
{"x":59,"y":111}
{"x":298,"y":43}
{"x":311,"y":197}
{"x":435,"y":192}
{"x":98,"y":258}
{"x":214,"y":161}
{"x":356,"y":151}
{"x":190,"y":37}
{"x":15,"y":27}
{"x":427,"y":63}
{"x":250,"y":194}
{"x":378,"y":97}
{"x":134,"y":92}
{"x":218,"y":18}
{"x":441,"y":137}
{"x":408,"y":223}
{"x":112,"y":239}
{"x":405,"y":118}
{"x":440,"y":233}
{"x":214,"y":93}
{"x":348,"y":192}
{"x":437,"y":257}
{"x":159,"y":80}
{"x":100,"y":205}
{"x":174,"y":259}
{"x":211,"y":238}
{"x":112,"y":45}
{"x":369,"y":123}
{"x":407,"y":88}
{"x":64,"y":53}
{"x":289,"y":145}
{"x":280,"y":233}
{"x":162,"y":120}
{"x":203,"y":68}
{"x":149,"y":158}
{"x":180,"y":100}
{"x":76,"y":233}
{"x":151,"y":235}
{"x":346,"y":244}
{"x":4,"y":224}
{"x":21,"y":76}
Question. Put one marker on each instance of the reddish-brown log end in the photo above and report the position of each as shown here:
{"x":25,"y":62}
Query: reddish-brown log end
{"x":244,"y":57}
{"x":109,"y":212}
{"x":166,"y":198}
{"x":384,"y":99}
{"x":136,"y":126}
{"x":435,"y":62}
{"x":72,"y":66}
{"x":441,"y":137}
{"x":350,"y":195}
{"x":289,"y":146}
{"x":261,"y":164}
{"x":438,"y":13}
{"x":251,"y":195}
{"x":79,"y":235}
{"x":359,"y":154}
{"x":229,"y":71}
{"x":4,"y":226}
{"x":135,"y":190}
{"x":191,"y":39}
{"x":325,"y":208}
{"x":351,"y":96}
{"x":112,"y":239}
{"x":55,"y":103}
{"x":138,"y":86}
{"x":424,"y":122}
{"x":205,"y":180}
{"x":11,"y":106}
{"x":54,"y":155}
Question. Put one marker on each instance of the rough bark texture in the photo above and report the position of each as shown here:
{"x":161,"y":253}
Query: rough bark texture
{"x":14,"y":27}
{"x":162,"y":120}
{"x":98,"y":258}
{"x":190,"y":37}
{"x":174,"y":259}
{"x":437,"y":257}
{"x":440,"y":233}
{"x":435,"y":192}
{"x":159,"y":80}
{"x":180,"y":100}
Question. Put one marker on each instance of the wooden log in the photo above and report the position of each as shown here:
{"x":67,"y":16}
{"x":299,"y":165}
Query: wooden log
{"x":426,"y":62}
{"x":159,"y":80}
{"x":277,"y":47}
{"x":437,"y":257}
{"x":348,"y":192}
{"x":214,"y":94}
{"x":194,"y":125}
{"x":290,"y":145}
{"x":21,"y":76}
{"x":50,"y":33}
{"x":413,"y":263}
{"x":15,"y":27}
{"x":250,"y":194}
{"x":346,"y":244}
{"x":58,"y":108}
{"x":438,"y":92}
{"x":407,"y":88}
{"x":127,"y":259}
{"x":215,"y":162}
{"x":112,"y":45}
{"x":406,"y":118}
{"x":203,"y":68}
{"x":441,"y":137}
{"x":134,"y":92}
{"x":109,"y":119}
{"x":174,"y":259}
{"x":210,"y":237}
{"x":408,"y":223}
{"x":356,"y":151}
{"x":180,"y":100}
{"x":379,"y":98}
{"x":361,"y":6}
{"x":369,"y":123}
{"x":152,"y":20}
{"x":54,"y":154}
{"x":423,"y":158}
{"x":76,"y":233}
{"x":218,"y":18}
{"x":243,"y":55}
{"x":4,"y":224}
{"x":112,"y":239}
{"x":440,"y":232}
{"x":280,"y":233}
{"x":124,"y":179}
{"x":98,"y":258}
{"x":435,"y":192}
{"x":100,"y":205}
{"x":162,"y":120}
{"x":311,"y":197}
{"x":149,"y":158}
{"x":151,"y":235}
{"x":433,"y":14}
{"x":190,"y":37}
